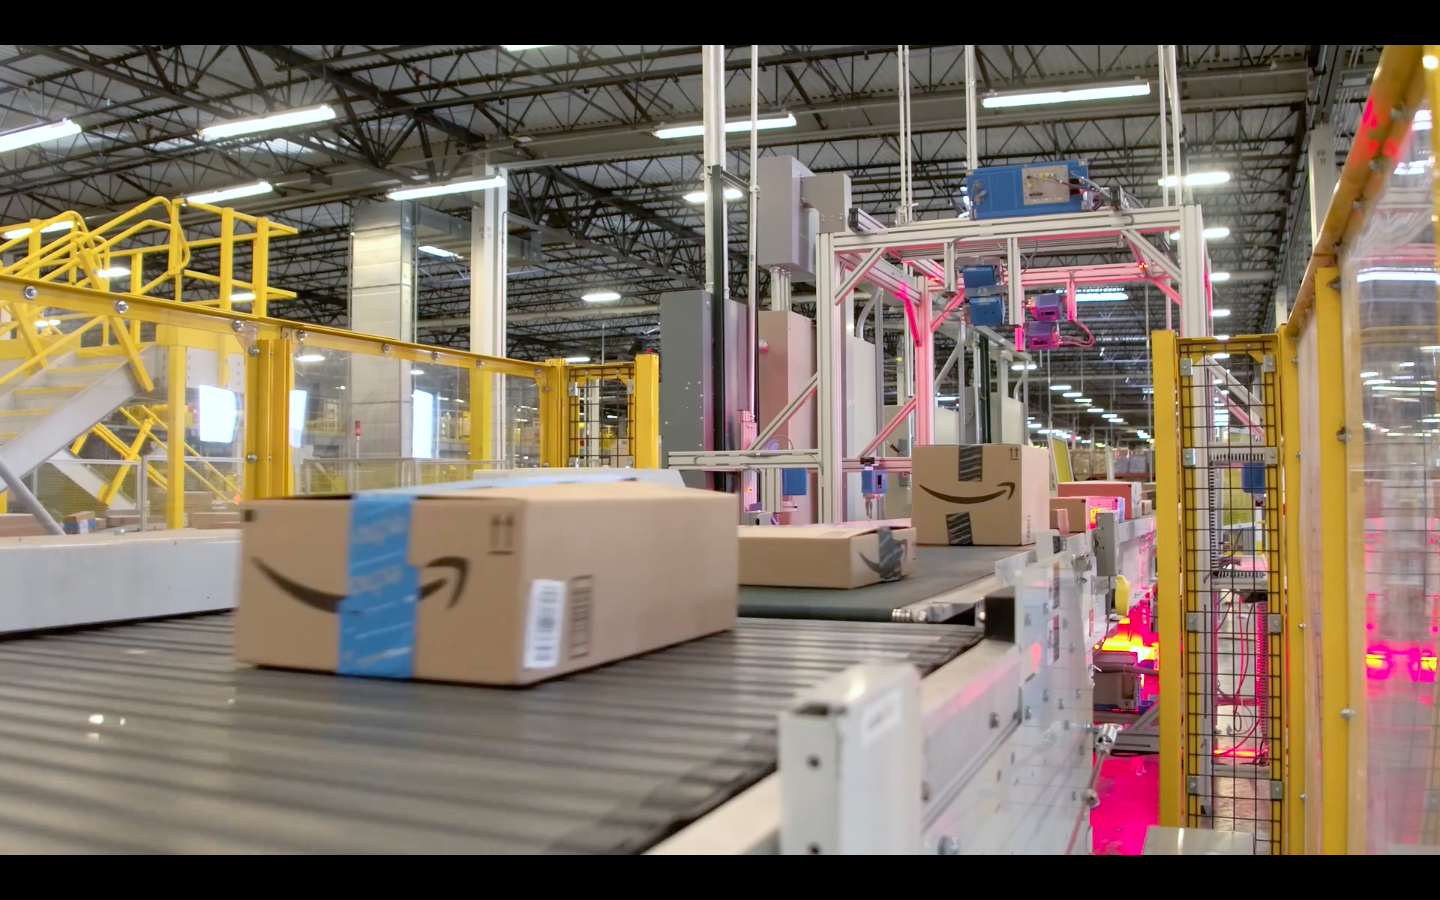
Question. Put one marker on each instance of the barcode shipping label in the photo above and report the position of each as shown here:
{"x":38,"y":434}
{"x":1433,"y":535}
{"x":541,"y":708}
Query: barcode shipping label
{"x":542,"y":627}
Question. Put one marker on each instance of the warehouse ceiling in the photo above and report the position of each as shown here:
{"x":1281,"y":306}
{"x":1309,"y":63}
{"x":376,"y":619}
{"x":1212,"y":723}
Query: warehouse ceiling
{"x":603,"y":196}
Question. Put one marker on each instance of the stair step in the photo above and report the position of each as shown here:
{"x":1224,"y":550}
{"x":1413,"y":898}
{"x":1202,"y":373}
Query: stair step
{"x":80,"y":370}
{"x":59,"y":388}
{"x":25,"y":412}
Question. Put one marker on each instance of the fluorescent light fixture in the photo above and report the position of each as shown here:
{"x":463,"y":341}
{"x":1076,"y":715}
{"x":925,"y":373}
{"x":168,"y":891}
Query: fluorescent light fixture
{"x":42,"y":323}
{"x":1043,"y":431}
{"x":1219,"y":276}
{"x":241,"y":296}
{"x":1043,"y":98}
{"x":1430,"y":62}
{"x":1197,"y":179}
{"x":53,"y":226}
{"x":417,"y":371}
{"x":1059,"y":387}
{"x":113,"y":272}
{"x":1219,"y":356}
{"x":1407,"y":365}
{"x":437,"y":251}
{"x":454,"y":187}
{"x":577,"y":359}
{"x":1085,"y":400}
{"x":1430,"y":348}
{"x":422,"y":425}
{"x":1421,"y":122}
{"x":1096,"y":409}
{"x":27,"y":137}
{"x":217,"y":410}
{"x":699,"y":196}
{"x":516,"y":48}
{"x":689,"y":131}
{"x":599,"y":296}
{"x":611,"y":416}
{"x":1369,"y":374}
{"x":1429,"y":276}
{"x":1095,"y":295}
{"x":1033,"y":426}
{"x":1217,"y":233}
{"x":1219,"y":313}
{"x":1375,"y":381}
{"x":298,"y":399}
{"x":310,"y":357}
{"x":269,"y":122}
{"x":1111,"y":416}
{"x":1069,"y":394}
{"x":1222,"y":337}
{"x":234,"y":193}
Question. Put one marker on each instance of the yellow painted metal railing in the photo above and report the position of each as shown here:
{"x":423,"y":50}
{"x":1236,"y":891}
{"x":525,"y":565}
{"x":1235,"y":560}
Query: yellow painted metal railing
{"x":612,"y":413}
{"x":1358,"y":363}
{"x":185,"y":286}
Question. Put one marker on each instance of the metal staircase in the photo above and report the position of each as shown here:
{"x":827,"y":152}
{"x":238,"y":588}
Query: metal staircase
{"x":42,"y":414}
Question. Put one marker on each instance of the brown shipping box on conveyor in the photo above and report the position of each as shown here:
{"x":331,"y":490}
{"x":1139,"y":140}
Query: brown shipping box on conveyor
{"x":20,"y":525}
{"x":502,"y":586}
{"x":825,"y":556}
{"x":982,"y":494}
{"x":229,"y":518}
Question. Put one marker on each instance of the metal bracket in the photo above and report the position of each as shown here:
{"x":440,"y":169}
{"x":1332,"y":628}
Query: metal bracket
{"x":1267,"y":362}
{"x":1187,"y":458}
{"x":574,"y":389}
{"x":1187,"y":368}
{"x":1274,"y":623}
{"x":1277,"y":790}
{"x":1195,"y":622}
{"x":1192,"y":784}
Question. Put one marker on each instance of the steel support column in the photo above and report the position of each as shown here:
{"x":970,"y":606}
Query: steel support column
{"x":488,"y":248}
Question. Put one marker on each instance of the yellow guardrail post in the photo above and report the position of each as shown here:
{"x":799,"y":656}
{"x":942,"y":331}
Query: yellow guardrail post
{"x":269,"y":373}
{"x":551,"y":380}
{"x":1169,"y":617}
{"x":482,"y":414}
{"x":645,"y":441}
{"x":1288,"y":373}
{"x":1323,"y":511}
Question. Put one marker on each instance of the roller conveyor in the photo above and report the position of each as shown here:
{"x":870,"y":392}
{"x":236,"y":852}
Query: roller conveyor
{"x":149,"y":738}
{"x":939,"y":570}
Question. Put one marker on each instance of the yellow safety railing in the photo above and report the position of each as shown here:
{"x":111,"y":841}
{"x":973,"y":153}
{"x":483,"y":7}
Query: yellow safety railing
{"x":66,"y":294}
{"x":1358,"y":362}
{"x":612,"y":413}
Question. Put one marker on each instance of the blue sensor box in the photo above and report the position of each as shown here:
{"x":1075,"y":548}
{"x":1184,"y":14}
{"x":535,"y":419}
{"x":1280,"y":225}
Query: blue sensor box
{"x":1037,"y":189}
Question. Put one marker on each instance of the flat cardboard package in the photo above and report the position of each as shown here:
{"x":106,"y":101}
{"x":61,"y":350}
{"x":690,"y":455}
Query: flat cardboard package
{"x":825,"y":556}
{"x":1076,"y":508}
{"x":983,"y":494}
{"x":1060,"y":520}
{"x":19,"y":525}
{"x":502,"y":586}
{"x":79,"y":523}
{"x":228,"y":518}
{"x":1129,"y":491}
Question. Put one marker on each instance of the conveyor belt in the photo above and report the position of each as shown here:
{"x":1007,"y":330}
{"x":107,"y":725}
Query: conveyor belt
{"x":938,"y":570}
{"x":149,"y":738}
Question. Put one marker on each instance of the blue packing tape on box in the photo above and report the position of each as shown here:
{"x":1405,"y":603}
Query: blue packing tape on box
{"x":377,"y":616}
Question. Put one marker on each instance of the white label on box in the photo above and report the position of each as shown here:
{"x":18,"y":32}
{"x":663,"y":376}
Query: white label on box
{"x":542,"y":627}
{"x":880,"y":717}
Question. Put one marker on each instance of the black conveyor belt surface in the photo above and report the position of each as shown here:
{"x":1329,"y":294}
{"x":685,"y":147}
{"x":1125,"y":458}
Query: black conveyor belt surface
{"x":938,"y":570}
{"x":149,"y":738}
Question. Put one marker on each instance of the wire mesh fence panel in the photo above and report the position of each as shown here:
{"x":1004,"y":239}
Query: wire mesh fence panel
{"x":1394,"y":337}
{"x":106,"y":488}
{"x":1233,"y":593}
{"x":601,"y":415}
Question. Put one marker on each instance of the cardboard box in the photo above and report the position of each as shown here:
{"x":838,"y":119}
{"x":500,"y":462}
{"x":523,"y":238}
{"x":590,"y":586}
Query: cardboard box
{"x":1129,"y":491}
{"x":502,"y":586}
{"x":19,"y":525}
{"x":219,"y":519}
{"x":79,"y":523}
{"x":122,"y":520}
{"x":1060,"y":520}
{"x":984,"y":494}
{"x":825,"y":556}
{"x":1076,"y":509}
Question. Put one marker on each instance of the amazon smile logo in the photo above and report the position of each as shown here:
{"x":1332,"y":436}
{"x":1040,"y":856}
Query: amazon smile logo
{"x":326,"y":602}
{"x":1006,"y":487}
